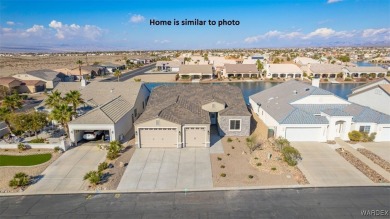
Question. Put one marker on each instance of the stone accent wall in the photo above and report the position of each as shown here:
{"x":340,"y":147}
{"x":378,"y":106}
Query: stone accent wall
{"x":223,"y":126}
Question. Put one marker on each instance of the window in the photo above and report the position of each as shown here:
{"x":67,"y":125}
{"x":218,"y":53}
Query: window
{"x":143,"y":104}
{"x":235,"y":125}
{"x":135,"y":113}
{"x":364,"y":129}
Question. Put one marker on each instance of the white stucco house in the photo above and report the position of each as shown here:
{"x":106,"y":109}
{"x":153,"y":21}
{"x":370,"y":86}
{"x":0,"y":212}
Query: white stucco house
{"x":375,"y":95}
{"x":283,"y":71}
{"x":299,"y":111}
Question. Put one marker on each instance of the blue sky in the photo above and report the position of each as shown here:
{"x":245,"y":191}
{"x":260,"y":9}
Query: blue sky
{"x":76,"y":25}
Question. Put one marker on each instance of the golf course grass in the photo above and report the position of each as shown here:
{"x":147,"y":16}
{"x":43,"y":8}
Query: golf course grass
{"x":27,"y":160}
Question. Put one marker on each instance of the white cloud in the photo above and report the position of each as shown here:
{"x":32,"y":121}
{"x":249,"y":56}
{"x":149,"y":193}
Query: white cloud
{"x":74,"y":30}
{"x":291,"y":35}
{"x":272,"y":34}
{"x":10,"y":23}
{"x":6,"y":29}
{"x":162,"y":41}
{"x":321,"y":32}
{"x":375,"y":32}
{"x":333,"y":1}
{"x":137,"y":18}
{"x":35,"y":29}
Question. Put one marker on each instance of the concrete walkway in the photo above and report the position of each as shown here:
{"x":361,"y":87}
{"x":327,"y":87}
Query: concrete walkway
{"x":67,"y":172}
{"x":153,"y":168}
{"x":382,"y":149}
{"x":363,"y":158}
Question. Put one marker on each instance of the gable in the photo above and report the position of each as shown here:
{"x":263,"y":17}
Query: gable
{"x":321,"y":99}
{"x":213,"y":107}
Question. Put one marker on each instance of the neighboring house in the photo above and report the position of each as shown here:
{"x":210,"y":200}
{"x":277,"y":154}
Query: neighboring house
{"x":50,"y":77}
{"x":304,"y":61}
{"x":261,"y":57}
{"x":10,"y":84}
{"x":181,"y":115}
{"x":241,"y":70}
{"x":283,"y":71}
{"x":300,"y":112}
{"x":168,"y":66}
{"x":111,"y":67}
{"x":358,"y":72}
{"x":325,"y":70}
{"x":90,"y":71}
{"x":375,"y":95}
{"x":111,"y":107}
{"x":196,"y":71}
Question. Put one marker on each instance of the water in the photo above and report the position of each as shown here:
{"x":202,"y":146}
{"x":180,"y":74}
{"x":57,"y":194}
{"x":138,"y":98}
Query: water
{"x":363,"y":63}
{"x":250,"y":88}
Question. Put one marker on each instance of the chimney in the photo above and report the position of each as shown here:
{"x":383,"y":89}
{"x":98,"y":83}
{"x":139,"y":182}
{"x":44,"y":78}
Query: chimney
{"x":315,"y":82}
{"x":83,"y":82}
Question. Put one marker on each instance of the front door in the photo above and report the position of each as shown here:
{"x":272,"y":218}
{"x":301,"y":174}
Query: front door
{"x":339,"y":128}
{"x":213,"y":118}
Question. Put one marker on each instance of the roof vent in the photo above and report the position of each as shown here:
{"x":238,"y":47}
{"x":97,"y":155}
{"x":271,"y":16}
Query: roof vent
{"x":307,"y":89}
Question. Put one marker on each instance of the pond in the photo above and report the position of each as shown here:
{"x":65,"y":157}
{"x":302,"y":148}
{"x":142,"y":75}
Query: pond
{"x":250,"y":88}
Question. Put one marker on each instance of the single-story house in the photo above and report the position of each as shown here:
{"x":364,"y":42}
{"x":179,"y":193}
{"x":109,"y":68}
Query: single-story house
{"x":50,"y":77}
{"x":32,"y":86}
{"x":111,"y":107}
{"x":168,"y":66}
{"x":375,"y":95}
{"x":299,"y":111}
{"x":241,"y":70}
{"x":304,"y":61}
{"x":283,"y":71}
{"x":325,"y":70}
{"x":364,"y":71}
{"x":111,"y":67}
{"x":9,"y":84}
{"x":196,"y":71}
{"x":182,"y":115}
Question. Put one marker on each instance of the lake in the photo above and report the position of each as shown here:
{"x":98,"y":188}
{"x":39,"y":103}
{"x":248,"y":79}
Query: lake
{"x":249,"y":88}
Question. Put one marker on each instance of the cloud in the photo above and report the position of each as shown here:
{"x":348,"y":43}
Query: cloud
{"x":272,"y":34}
{"x":6,"y":29}
{"x":137,"y":18}
{"x":10,"y":23}
{"x":376,"y":32}
{"x":74,"y":30}
{"x":333,"y":1}
{"x":162,"y":41}
{"x":35,"y":29}
{"x":321,"y":32}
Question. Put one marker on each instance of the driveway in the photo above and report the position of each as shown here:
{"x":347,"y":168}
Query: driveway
{"x":67,"y":172}
{"x":382,"y":149}
{"x":168,"y":169}
{"x":323,"y":166}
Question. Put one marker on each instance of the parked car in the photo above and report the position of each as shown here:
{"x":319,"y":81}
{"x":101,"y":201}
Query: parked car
{"x":92,"y":135}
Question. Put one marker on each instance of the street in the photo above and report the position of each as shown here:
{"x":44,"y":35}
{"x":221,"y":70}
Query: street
{"x":343,"y":202}
{"x":131,"y":74}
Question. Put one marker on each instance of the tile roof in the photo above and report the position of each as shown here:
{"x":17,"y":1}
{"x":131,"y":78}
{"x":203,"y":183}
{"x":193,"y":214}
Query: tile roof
{"x":5,"y":81}
{"x":33,"y":82}
{"x":241,"y":68}
{"x":366,"y":69}
{"x":385,"y":88}
{"x":182,"y":104}
{"x":205,"y":69}
{"x":385,"y":80}
{"x":45,"y":74}
{"x":326,"y":68}
{"x":284,"y":68}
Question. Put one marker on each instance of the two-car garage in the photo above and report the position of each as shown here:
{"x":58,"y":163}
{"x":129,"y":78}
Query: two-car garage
{"x":303,"y":133}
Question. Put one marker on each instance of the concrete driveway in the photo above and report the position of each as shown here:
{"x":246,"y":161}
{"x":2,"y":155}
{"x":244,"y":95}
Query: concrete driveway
{"x":67,"y":172}
{"x":382,"y":149}
{"x":323,"y":166}
{"x":152,"y":169}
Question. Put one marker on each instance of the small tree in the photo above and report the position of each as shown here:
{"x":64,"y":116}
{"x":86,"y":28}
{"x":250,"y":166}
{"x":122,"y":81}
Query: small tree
{"x":117,"y":74}
{"x":355,"y":135}
{"x":114,"y":149}
{"x":20,"y":179}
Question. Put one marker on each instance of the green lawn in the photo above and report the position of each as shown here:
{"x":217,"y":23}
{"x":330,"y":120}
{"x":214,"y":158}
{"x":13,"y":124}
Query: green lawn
{"x":28,"y":160}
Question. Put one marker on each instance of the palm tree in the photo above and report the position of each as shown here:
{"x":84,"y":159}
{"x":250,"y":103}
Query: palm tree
{"x":117,"y":73}
{"x":13,"y":102}
{"x":79,"y":62}
{"x":74,"y":97}
{"x":62,"y":113}
{"x":54,"y":99}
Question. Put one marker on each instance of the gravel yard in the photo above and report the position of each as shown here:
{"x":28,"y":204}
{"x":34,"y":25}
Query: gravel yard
{"x":375,"y":158}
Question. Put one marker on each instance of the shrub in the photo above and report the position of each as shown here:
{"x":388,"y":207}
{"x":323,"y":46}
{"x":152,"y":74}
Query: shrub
{"x":252,"y":143}
{"x":102,"y":166}
{"x":304,"y":74}
{"x":222,"y":166}
{"x":223,"y":175}
{"x":228,"y":154}
{"x":137,"y":79}
{"x":114,"y":149}
{"x":232,"y":147}
{"x":348,"y":79}
{"x":22,"y":147}
{"x":20,"y":179}
{"x":218,"y":158}
{"x":37,"y":140}
{"x":94,"y":177}
{"x":354,"y":135}
{"x":291,"y":155}
{"x":271,"y":79}
{"x":258,"y":164}
{"x":185,"y":77}
{"x":326,"y":80}
{"x":367,"y":138}
{"x":273,"y":168}
{"x":281,"y":143}
{"x":229,"y":140}
{"x":250,"y":177}
{"x":256,"y":158}
{"x":57,"y":149}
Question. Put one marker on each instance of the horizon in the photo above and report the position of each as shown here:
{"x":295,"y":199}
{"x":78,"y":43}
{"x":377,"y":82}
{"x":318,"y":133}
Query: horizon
{"x":119,"y":25}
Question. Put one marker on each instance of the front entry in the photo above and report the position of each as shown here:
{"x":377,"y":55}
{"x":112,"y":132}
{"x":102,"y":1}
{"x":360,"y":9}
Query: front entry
{"x":339,"y":128}
{"x":213,"y":118}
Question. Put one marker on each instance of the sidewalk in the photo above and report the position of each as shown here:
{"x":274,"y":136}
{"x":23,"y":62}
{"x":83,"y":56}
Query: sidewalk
{"x":363,"y":158}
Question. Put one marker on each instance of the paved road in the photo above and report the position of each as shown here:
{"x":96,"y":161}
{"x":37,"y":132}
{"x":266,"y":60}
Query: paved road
{"x":277,"y":203}
{"x":131,"y":74}
{"x":170,"y":168}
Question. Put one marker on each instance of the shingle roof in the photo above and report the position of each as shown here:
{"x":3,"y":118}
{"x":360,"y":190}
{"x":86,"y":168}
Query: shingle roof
{"x":241,"y":68}
{"x":205,"y":69}
{"x":366,"y":69}
{"x":326,"y":68}
{"x":386,"y":80}
{"x":5,"y":81}
{"x":182,"y":104}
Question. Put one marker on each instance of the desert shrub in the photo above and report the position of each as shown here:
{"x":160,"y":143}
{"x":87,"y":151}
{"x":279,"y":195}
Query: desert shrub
{"x":256,"y":158}
{"x":94,"y":177}
{"x":348,"y":79}
{"x":20,"y":179}
{"x":114,"y":149}
{"x":291,"y":155}
{"x":304,"y":74}
{"x":219,"y":158}
{"x":102,"y":166}
{"x":228,"y":154}
{"x":281,"y":143}
{"x":223,"y":174}
{"x":354,"y":135}
{"x":229,"y":140}
{"x":57,"y":149}
{"x":232,"y":147}
{"x":367,"y":138}
{"x":252,"y":143}
{"x":37,"y":140}
{"x":273,"y":168}
{"x":258,"y":164}
{"x":222,"y":166}
{"x":250,"y":177}
{"x":326,"y":80}
{"x":137,"y":79}
{"x":22,"y":147}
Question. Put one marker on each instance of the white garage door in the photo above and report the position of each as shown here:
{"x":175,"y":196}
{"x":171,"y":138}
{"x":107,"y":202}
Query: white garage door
{"x":384,"y":134}
{"x":195,"y":137}
{"x":158,"y":137}
{"x":303,"y":134}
